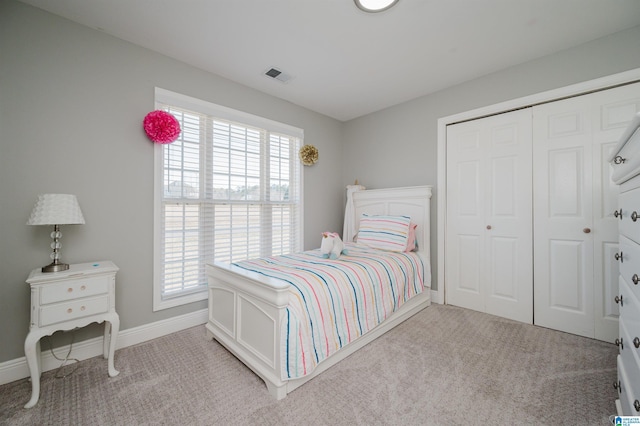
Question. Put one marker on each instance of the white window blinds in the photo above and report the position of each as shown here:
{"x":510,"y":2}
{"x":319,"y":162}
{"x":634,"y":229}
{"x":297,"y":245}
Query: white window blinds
{"x":229,"y":189}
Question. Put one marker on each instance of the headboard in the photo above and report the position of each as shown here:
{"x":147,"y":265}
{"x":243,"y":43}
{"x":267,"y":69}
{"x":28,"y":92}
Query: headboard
{"x":411,"y":201}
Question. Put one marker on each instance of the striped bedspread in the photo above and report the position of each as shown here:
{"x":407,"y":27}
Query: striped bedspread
{"x":333,"y":302}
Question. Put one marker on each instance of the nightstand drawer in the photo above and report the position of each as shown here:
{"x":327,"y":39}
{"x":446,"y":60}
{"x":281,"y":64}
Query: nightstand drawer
{"x":74,"y":289}
{"x":73,"y":309}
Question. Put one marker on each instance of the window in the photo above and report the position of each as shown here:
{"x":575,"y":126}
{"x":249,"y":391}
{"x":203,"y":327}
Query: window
{"x":229,"y":189}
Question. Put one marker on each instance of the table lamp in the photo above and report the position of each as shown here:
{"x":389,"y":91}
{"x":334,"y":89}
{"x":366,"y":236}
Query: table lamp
{"x":56,"y":210}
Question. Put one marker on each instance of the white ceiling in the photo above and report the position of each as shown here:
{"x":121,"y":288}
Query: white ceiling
{"x":346,"y":63}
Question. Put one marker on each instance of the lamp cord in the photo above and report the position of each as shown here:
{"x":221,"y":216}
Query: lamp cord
{"x":58,"y":374}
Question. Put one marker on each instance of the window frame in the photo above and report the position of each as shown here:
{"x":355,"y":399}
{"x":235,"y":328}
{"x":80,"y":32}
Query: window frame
{"x":164,"y":97}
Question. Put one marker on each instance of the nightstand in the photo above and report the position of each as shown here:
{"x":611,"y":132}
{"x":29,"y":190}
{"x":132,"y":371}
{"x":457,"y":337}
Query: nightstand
{"x":81,"y":295}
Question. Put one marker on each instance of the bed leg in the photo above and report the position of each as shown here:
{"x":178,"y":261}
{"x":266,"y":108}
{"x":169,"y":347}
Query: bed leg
{"x":278,"y":392}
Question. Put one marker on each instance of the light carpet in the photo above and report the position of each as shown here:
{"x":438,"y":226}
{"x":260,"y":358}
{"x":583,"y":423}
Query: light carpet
{"x":444,"y":366}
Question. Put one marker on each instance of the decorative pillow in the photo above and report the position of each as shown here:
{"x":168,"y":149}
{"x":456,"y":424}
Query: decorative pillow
{"x":384,"y":232}
{"x":412,"y":242}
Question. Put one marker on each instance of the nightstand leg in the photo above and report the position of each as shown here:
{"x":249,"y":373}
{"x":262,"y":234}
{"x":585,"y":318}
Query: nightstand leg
{"x":114,"y":325}
{"x":32,"y":354}
{"x":106,"y":340}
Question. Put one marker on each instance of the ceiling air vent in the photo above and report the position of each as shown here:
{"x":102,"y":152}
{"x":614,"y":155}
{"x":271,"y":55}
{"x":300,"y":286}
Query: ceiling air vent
{"x":276,"y":74}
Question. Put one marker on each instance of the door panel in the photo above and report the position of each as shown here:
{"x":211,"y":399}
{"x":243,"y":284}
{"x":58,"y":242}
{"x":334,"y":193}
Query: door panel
{"x":503,"y":186}
{"x":563,"y":251}
{"x":467,"y":189}
{"x":469,"y":264}
{"x":566,"y":183}
{"x":573,"y":139}
{"x":566,"y":263}
{"x":504,"y":274}
{"x":465,"y":218}
{"x":489,"y":241}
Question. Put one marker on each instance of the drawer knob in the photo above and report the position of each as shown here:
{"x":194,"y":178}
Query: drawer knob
{"x":618,"y":213}
{"x":70,"y":290}
{"x":619,"y":160}
{"x":618,"y":299}
{"x":69,"y":310}
{"x":82,"y":308}
{"x":83,"y":288}
{"x":617,"y":385}
{"x":634,"y":216}
{"x":636,"y":343}
{"x":635,"y":279}
{"x":586,"y":230}
{"x":636,"y":405}
{"x":618,"y":256}
{"x":620,"y":343}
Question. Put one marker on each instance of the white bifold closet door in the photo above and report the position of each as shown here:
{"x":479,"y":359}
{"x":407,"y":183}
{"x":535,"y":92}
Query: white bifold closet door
{"x":488,"y":264}
{"x":576,"y":233}
{"x":531,"y":233}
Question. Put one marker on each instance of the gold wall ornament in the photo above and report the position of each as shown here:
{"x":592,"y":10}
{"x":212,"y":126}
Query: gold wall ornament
{"x":309,"y":155}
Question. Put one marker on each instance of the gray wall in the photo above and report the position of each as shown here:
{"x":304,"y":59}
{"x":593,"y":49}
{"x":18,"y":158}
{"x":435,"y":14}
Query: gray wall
{"x":398,"y":146}
{"x":72,"y":101}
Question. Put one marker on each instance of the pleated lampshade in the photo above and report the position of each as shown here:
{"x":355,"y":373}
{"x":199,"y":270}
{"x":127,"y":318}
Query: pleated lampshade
{"x":56,"y":209}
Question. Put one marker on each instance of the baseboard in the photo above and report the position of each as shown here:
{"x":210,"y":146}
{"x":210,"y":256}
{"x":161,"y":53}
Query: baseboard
{"x":436,"y":297}
{"x":17,"y":369}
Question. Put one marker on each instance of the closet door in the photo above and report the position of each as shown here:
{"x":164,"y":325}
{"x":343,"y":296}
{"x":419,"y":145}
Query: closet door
{"x":488,"y":261}
{"x":563,"y":217}
{"x":575,"y":230}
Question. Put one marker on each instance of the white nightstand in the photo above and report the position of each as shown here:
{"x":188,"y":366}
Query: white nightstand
{"x":74,"y":298}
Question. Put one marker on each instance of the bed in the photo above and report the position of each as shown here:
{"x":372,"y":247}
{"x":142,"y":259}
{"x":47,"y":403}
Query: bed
{"x":250,"y":309}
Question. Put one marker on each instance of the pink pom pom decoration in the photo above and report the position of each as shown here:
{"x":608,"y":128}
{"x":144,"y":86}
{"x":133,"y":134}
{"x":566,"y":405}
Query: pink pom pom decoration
{"x":161,"y":127}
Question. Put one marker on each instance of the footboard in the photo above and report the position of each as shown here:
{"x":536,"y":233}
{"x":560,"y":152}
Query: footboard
{"x":245,"y":314}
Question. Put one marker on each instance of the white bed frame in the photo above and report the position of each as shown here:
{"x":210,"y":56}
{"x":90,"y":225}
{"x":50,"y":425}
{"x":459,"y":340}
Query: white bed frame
{"x":246,"y":309}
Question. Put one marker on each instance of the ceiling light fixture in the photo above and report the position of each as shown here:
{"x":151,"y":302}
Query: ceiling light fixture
{"x":373,"y":6}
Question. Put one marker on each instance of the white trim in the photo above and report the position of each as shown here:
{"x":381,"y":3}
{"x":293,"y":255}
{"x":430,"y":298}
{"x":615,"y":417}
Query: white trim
{"x":187,"y":102}
{"x":538,"y":98}
{"x":17,"y":369}
{"x":436,"y":297}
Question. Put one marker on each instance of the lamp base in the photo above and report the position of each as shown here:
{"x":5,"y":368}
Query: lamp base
{"x":55,"y":267}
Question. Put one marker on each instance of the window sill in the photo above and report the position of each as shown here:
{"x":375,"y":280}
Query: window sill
{"x":159,"y":304}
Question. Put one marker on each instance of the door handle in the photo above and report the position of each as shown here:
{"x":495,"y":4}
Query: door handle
{"x":618,"y":213}
{"x":634,"y":216}
{"x":618,"y":299}
{"x":618,"y":256}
